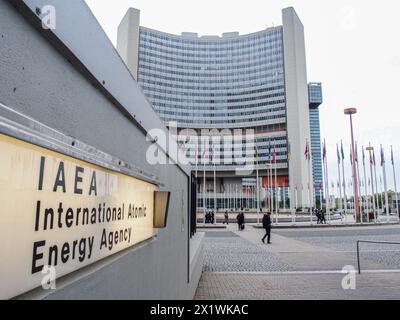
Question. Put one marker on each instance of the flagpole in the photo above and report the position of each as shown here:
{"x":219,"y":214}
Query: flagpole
{"x":340,"y":179}
{"x":276,"y":185}
{"x":258,"y":189}
{"x":382,"y":194}
{"x":385,"y":183}
{"x":327,"y":183}
{"x":377,"y":186}
{"x":308,"y":154}
{"x":395,"y":184}
{"x":358,"y":183}
{"x":371,"y":163}
{"x":215,"y":180}
{"x":204,"y":185}
{"x":271,"y":179}
{"x":344,"y":186}
{"x":365,"y":185}
{"x":268,"y":189}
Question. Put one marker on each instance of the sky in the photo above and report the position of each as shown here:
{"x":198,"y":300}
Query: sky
{"x":352,"y":46}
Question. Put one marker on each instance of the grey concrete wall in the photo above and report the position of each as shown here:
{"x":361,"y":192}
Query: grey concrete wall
{"x":298,"y":122}
{"x":38,"y":81}
{"x":128,"y":40}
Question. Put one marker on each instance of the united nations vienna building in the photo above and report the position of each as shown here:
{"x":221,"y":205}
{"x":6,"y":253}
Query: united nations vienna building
{"x":208,"y":86}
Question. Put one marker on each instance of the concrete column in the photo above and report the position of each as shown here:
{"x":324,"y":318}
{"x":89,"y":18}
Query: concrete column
{"x":297,"y":104}
{"x":128,"y":40}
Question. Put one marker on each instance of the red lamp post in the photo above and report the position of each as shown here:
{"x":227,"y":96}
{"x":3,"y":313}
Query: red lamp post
{"x":350,"y":112}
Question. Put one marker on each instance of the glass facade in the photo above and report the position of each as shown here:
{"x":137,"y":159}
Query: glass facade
{"x":232,"y":82}
{"x":315,"y":99}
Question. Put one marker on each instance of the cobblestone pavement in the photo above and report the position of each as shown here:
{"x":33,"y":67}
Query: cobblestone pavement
{"x":344,"y":240}
{"x":214,"y":286}
{"x":300,"y":264}
{"x":233,"y":253}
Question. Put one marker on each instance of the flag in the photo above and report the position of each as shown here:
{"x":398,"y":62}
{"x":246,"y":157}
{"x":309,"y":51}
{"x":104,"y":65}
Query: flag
{"x":338,"y":154}
{"x":373,"y":158}
{"x":289,"y":152}
{"x":256,"y":155}
{"x":274,"y":155}
{"x":324,"y":151}
{"x":338,"y":184}
{"x":269,"y":150}
{"x":382,"y":157}
{"x":307,"y":151}
{"x":391,"y":155}
{"x":356,"y":154}
{"x":341,"y":147}
{"x":363,"y":155}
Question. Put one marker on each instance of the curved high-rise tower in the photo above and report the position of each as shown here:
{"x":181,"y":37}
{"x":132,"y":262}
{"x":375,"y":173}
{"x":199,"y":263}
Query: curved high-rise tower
{"x":211,"y":85}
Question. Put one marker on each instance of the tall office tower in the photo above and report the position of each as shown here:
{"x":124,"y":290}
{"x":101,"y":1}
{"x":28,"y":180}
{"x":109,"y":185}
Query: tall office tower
{"x":217,"y":85}
{"x":315,"y":98}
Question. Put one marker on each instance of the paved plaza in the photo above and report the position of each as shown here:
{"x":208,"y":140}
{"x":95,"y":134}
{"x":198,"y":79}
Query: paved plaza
{"x":300,"y":264}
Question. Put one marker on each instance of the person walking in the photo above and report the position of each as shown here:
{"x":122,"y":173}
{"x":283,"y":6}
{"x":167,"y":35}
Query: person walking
{"x":318,"y":214}
{"x":226,"y":216}
{"x":267,"y":226}
{"x":323,"y":220}
{"x":239,"y":221}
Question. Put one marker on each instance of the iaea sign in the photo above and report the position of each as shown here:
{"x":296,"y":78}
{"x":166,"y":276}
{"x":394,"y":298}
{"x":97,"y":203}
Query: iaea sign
{"x":59,"y":211}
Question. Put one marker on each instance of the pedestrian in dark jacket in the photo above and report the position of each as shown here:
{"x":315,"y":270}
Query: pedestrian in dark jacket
{"x":240,"y":220}
{"x":267,"y":226}
{"x":323,"y":219}
{"x":226,"y":216}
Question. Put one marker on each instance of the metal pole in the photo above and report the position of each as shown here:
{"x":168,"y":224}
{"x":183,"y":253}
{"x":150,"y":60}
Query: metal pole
{"x":204,"y":192}
{"x":276,"y":195}
{"x":309,"y":188}
{"x":366,"y":188}
{"x":355,"y":186}
{"x":328,"y":209}
{"x":395,"y":186}
{"x":385,"y":187}
{"x":372,"y":182}
{"x":359,"y":188}
{"x":340,"y":180}
{"x":344,"y":193}
{"x":258,"y":191}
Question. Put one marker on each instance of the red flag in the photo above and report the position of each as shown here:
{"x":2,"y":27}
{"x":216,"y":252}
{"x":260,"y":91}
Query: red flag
{"x":307,"y":151}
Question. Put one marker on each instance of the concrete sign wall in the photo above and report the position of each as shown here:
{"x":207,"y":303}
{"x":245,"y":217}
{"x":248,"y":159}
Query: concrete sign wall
{"x":62,"y":212}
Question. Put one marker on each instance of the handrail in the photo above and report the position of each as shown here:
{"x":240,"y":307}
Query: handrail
{"x":369,"y":241}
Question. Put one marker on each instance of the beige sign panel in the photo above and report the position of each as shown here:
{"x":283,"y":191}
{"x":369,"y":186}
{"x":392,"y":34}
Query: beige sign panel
{"x":59,"y":211}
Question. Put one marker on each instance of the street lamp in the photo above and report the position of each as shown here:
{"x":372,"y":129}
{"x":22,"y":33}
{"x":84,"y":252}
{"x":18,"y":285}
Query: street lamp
{"x":350,"y":112}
